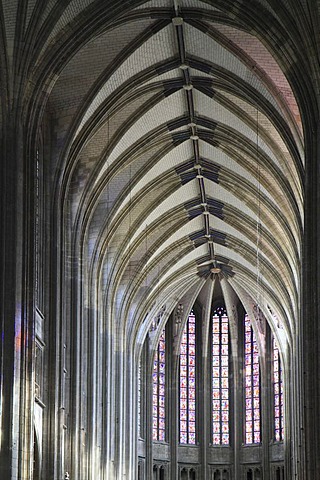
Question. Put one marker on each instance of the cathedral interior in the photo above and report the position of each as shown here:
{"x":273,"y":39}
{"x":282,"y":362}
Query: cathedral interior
{"x":159,"y":240}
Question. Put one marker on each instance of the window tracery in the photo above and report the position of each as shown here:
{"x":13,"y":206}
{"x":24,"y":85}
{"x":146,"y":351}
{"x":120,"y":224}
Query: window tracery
{"x":188,"y":382}
{"x":159,"y":394}
{"x":252,"y":385}
{"x":220,"y":377}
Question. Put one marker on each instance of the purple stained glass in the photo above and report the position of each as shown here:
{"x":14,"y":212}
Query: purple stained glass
{"x":183,"y":350}
{"x":192,"y":427}
{"x":183,"y":382}
{"x":252,"y":385}
{"x":192,"y":415}
{"x":183,"y":436}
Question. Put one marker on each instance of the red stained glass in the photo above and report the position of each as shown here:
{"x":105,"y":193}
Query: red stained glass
{"x":225,"y":416}
{"x":216,"y":439}
{"x":216,"y":427}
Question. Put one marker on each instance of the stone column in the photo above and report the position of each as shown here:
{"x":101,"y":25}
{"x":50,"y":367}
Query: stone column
{"x":310,"y":331}
{"x":16,"y":305}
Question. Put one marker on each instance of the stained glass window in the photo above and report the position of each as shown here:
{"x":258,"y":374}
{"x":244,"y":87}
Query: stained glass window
{"x":188,"y":382}
{"x":139,"y":398}
{"x":220,"y":377}
{"x":278,"y":394}
{"x":158,"y":397}
{"x":252,"y":385}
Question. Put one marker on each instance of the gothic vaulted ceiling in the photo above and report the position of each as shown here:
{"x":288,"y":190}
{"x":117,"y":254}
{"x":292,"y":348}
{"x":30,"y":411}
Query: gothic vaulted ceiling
{"x":178,"y":145}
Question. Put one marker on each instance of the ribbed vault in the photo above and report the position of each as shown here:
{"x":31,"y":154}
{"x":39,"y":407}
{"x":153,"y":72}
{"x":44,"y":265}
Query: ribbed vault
{"x":183,"y":150}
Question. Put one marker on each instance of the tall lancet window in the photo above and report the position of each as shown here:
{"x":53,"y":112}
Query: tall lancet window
{"x":139,"y":399}
{"x":252,"y":385}
{"x":278,"y":394}
{"x":188,"y":382}
{"x":220,"y":377}
{"x":159,"y":395}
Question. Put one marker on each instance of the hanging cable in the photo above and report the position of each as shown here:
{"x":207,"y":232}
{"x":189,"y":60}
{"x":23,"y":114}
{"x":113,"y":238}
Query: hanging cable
{"x":258,"y":226}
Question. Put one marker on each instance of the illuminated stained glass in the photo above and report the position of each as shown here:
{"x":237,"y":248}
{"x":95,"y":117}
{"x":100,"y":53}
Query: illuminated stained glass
{"x":278,"y":394}
{"x":158,"y":387}
{"x":220,"y":377}
{"x":252,"y":385}
{"x":139,"y":398}
{"x":188,"y":383}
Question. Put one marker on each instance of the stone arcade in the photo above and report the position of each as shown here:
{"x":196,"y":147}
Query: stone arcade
{"x":159,"y":240}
